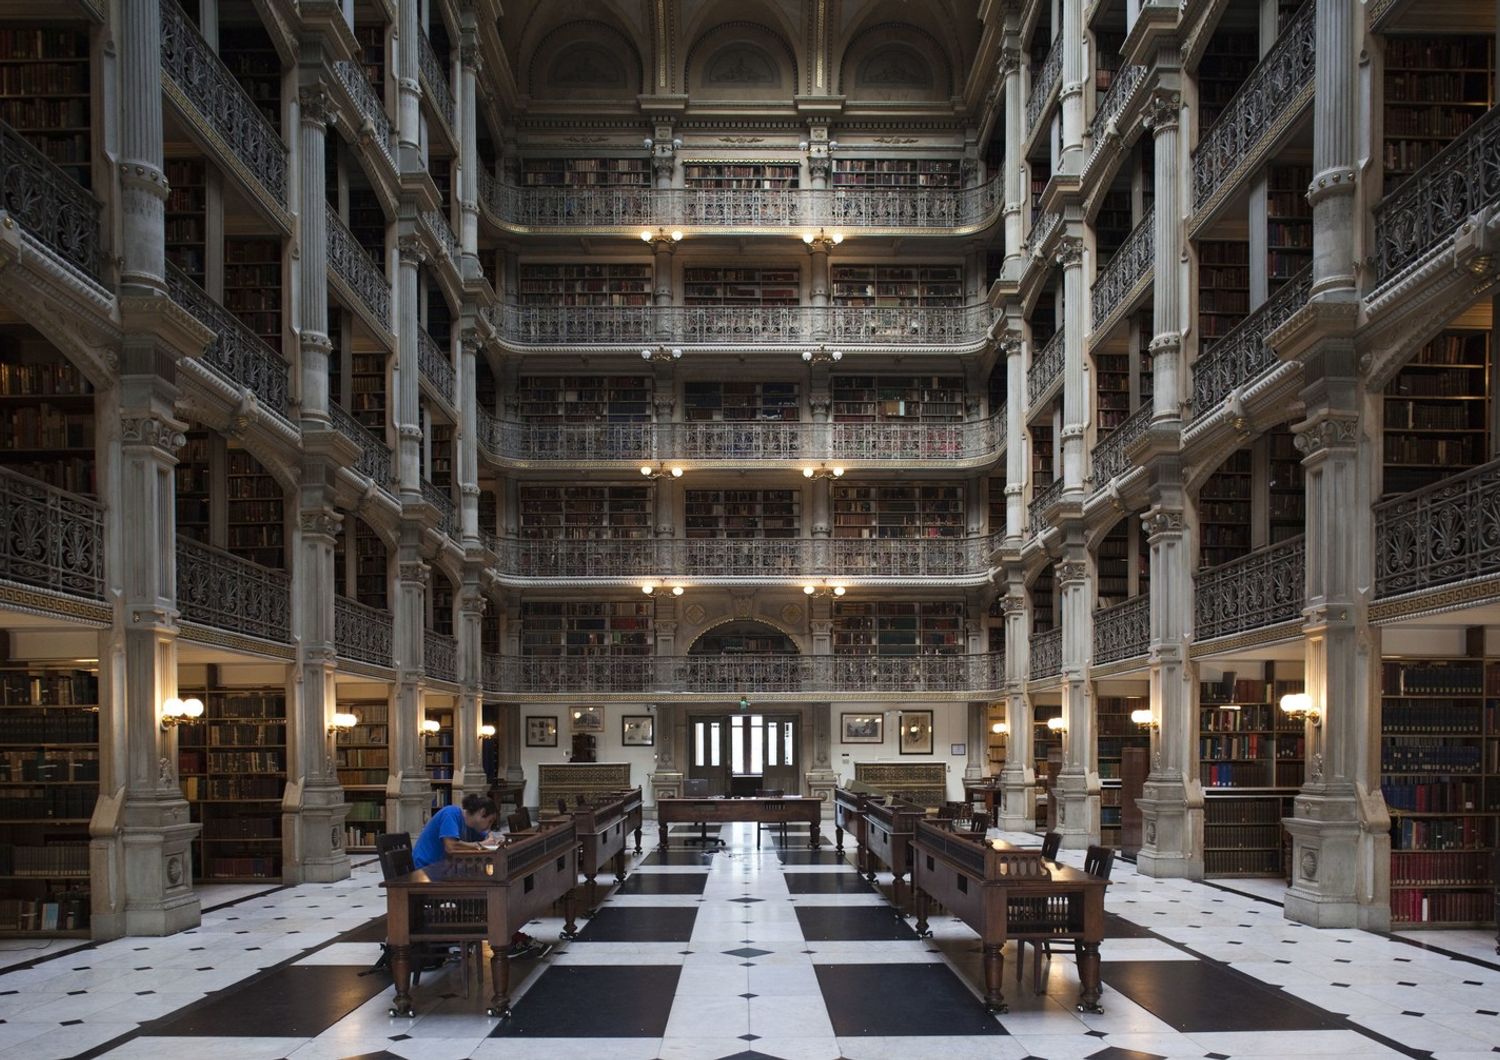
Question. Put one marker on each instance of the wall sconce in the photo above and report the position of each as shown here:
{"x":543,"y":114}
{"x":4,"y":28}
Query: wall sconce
{"x":175,"y":712}
{"x":1143,"y":717}
{"x":676,"y":143}
{"x":661,"y":236}
{"x":822,"y":239}
{"x":823,"y":471}
{"x":1057,"y":725}
{"x":1300,"y":705}
{"x":818,"y":590}
{"x":650,"y":587}
{"x":430,"y":726}
{"x":1000,"y":728}
{"x":486,"y":731}
{"x":822,"y":356}
{"x":342,"y":723}
{"x":662,"y":354}
{"x":660,"y":471}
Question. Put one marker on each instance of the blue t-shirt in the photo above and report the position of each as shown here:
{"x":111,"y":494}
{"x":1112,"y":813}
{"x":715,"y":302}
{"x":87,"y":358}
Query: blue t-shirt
{"x":449,"y":821}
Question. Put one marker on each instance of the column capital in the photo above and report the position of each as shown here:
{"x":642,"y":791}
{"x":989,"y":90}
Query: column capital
{"x":1009,"y":344}
{"x":1161,"y":112}
{"x":414,"y":572}
{"x":411,"y":249}
{"x":154,"y":431}
{"x":1161,"y":523}
{"x":1008,"y":63}
{"x":315,"y":106}
{"x":473,"y":604}
{"x":1326,"y":431}
{"x":1069,"y":251}
{"x":1072,"y":571}
{"x":320,"y":522}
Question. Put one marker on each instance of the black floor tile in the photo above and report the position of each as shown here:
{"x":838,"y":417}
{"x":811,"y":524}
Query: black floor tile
{"x":1117,"y":927}
{"x":790,"y":855}
{"x":299,"y":1001}
{"x":664,"y":883}
{"x":1114,"y":1052}
{"x":1189,"y":995}
{"x":826,"y":883}
{"x":374,"y":931}
{"x":858,"y":923}
{"x":679,"y":856}
{"x":593,"y":1001}
{"x":793,"y":840}
{"x":896,"y":1000}
{"x":694,"y":829}
{"x":638,"y":924}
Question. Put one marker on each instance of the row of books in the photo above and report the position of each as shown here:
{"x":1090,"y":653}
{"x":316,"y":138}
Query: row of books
{"x":54,"y":860}
{"x":233,"y":788}
{"x":1413,"y":415}
{"x":1454,"y":678}
{"x":1244,"y":774}
{"x":52,"y":803}
{"x":1445,"y":716}
{"x":46,"y":427}
{"x":49,"y":766}
{"x":1242,"y":836}
{"x":363,"y":758}
{"x":361,"y":777}
{"x":241,"y":827}
{"x":37,"y":380}
{"x":1465,"y":833}
{"x":1246,"y":746}
{"x":1418,"y":906}
{"x":1425,"y":754}
{"x":1425,"y":796}
{"x":57,"y":726}
{"x":68,"y":911}
{"x":1453,"y":382}
{"x":246,"y":734}
{"x":1408,"y":449}
{"x":355,"y":836}
{"x":366,"y":810}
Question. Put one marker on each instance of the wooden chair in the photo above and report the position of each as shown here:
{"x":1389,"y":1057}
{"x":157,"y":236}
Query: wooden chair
{"x":1097,"y":861}
{"x":770,"y":793}
{"x":520,"y":821}
{"x":395,"y":853}
{"x":1051,"y":844}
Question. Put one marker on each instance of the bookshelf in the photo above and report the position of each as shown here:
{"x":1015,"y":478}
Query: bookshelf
{"x":586,"y":172}
{"x":1227,"y":61}
{"x":49,"y":782}
{"x":1107,"y":60}
{"x":1286,"y":493}
{"x":1112,"y":565}
{"x":47,"y":410}
{"x":1288,"y":223}
{"x":1145,"y":372}
{"x":437,"y":754}
{"x":898,"y":511}
{"x":232,"y":768}
{"x":907,"y":286}
{"x":1224,"y":512}
{"x":741,"y":176}
{"x":750,"y":638}
{"x":371,"y":566}
{"x":896,"y":173}
{"x":440,"y":454}
{"x":363,"y":760}
{"x":1437,"y":412}
{"x":440,"y":169}
{"x":1243,"y":835}
{"x":756,"y":513}
{"x":1244,"y":740}
{"x":45,"y":83}
{"x":584,"y":398}
{"x":1111,"y":392}
{"x":252,"y":285}
{"x":371,"y":39}
{"x":1435,"y":88}
{"x":442,"y":606}
{"x":898,"y":627}
{"x":256,"y":527}
{"x":1440,"y":775}
{"x":584,"y":285}
{"x":194,"y":475}
{"x":367,"y":390}
{"x":1046,"y":754}
{"x":579,"y":627}
{"x":1042,"y":467}
{"x":1041,"y":175}
{"x":1043,"y":604}
{"x":997,"y":503}
{"x":579,"y":512}
{"x":874,"y":398}
{"x":186,"y":216}
{"x":1113,"y":225}
{"x":1117,"y":733}
{"x":741,"y":402}
{"x":251,"y":57}
{"x":367,"y":224}
{"x":1223,"y":287}
{"x":997,"y":743}
{"x":753,"y":286}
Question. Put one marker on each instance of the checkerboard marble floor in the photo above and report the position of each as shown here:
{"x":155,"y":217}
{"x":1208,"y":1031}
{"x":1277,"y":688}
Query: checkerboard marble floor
{"x":776,"y":951}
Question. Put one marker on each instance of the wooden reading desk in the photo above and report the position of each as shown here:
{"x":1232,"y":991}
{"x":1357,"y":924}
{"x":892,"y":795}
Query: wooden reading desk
{"x":1005,"y":892}
{"x":481,"y":897}
{"x":888,"y":832}
{"x":986,"y":791}
{"x":781,"y":809}
{"x":849,"y":816}
{"x":602,"y":830}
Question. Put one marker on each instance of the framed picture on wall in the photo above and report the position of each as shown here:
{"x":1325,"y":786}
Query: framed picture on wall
{"x":541,"y":732}
{"x":916,"y":732}
{"x":587,"y":719}
{"x":638,"y":730}
{"x":862,"y":728}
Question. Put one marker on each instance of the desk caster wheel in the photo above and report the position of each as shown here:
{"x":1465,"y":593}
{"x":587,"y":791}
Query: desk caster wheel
{"x":498,"y":1013}
{"x":588,"y":914}
{"x":569,"y":935}
{"x":403,"y":1011}
{"x":925,"y":934}
{"x":1092,"y":1010}
{"x":999,"y":1008}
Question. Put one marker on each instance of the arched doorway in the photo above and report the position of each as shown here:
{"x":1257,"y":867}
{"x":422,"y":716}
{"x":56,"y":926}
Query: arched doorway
{"x":740,"y":752}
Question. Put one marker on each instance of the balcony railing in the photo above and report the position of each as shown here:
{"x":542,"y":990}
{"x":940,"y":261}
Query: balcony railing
{"x":436,"y":222}
{"x":371,"y":109}
{"x":1046,"y":368}
{"x":434,"y":74}
{"x":1046,"y":653}
{"x":1042,"y":228}
{"x":1129,"y":265}
{"x":1264,"y":588}
{"x":1122,"y":631}
{"x":1242,"y":356}
{"x":434,"y":365}
{"x":1110,"y":458}
{"x":1443,"y":533}
{"x":1423,"y":214}
{"x":1041,"y":502}
{"x":1122,"y":88}
{"x":440,"y":655}
{"x":236,"y":353}
{"x":50,"y":538}
{"x":365,"y":278}
{"x":204,"y":81}
{"x":1253,"y":114}
{"x":48,"y":203}
{"x":492,"y":671}
{"x":1046,"y":80}
{"x":374,"y":460}
{"x":440,"y":499}
{"x":219,"y":589}
{"x":362,"y":633}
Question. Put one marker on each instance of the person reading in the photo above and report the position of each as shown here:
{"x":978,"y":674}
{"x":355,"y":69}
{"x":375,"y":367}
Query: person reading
{"x":455,"y":829}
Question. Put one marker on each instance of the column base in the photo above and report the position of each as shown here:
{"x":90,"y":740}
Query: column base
{"x":820,"y":785}
{"x":1171,"y":830}
{"x":1341,"y":858}
{"x":1078,"y":809}
{"x":312,"y":829}
{"x":665,"y":784}
{"x":1017,"y":801}
{"x":141,"y":868}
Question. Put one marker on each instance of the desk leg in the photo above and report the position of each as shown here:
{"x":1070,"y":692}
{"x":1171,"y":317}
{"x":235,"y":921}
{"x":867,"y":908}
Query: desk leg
{"x":593,"y":896}
{"x":663,"y":829}
{"x":401,"y":976}
{"x":816,"y":835}
{"x":637,"y":839}
{"x":896,"y":894}
{"x":838,"y":840}
{"x":1088,"y":978}
{"x":500,"y":975}
{"x":570,"y":926}
{"x":994,"y":973}
{"x":868,"y":865}
{"x":919,"y":896}
{"x":620,"y":866}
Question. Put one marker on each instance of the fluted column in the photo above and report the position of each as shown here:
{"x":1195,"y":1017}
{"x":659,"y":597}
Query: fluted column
{"x":468,"y":119}
{"x":1075,"y":393}
{"x":468,"y":438}
{"x":1014,"y":351}
{"x":468,"y":771}
{"x":409,"y":789}
{"x":1078,"y":783}
{"x":314,"y":110}
{"x":977,"y":727}
{"x":143,"y":183}
{"x":1071,"y":94}
{"x":1014,"y":176}
{"x":1162,"y":112}
{"x":1018,"y":775}
{"x":408,"y":393}
{"x":1332,"y":191}
{"x":408,"y":69}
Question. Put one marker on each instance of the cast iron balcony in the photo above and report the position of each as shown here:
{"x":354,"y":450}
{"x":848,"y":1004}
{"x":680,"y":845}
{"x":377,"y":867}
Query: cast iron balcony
{"x":1042,"y":89}
{"x":1045,"y":371}
{"x":440,"y":499}
{"x":1127,"y":276}
{"x":368,"y":105}
{"x":1042,"y":502}
{"x":1046,"y":653}
{"x":1264,"y":588}
{"x":364,"y":279}
{"x":1122,"y":631}
{"x":1242,"y":356}
{"x":435,"y":366}
{"x":1122,"y":88}
{"x":374,"y":460}
{"x":362,"y":633}
{"x":1443,"y":533}
{"x":236,"y":353}
{"x":50,"y":538}
{"x":439,"y":655}
{"x":1111,"y":457}
{"x":48,"y":204}
{"x":219,"y":589}
{"x":434,"y":75}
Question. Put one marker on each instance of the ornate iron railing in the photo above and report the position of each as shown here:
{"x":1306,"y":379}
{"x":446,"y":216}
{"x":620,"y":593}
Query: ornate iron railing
{"x":219,"y":589}
{"x":1132,"y":262}
{"x":555,"y":557}
{"x":738,"y":440}
{"x":48,"y":203}
{"x":371,"y":109}
{"x":440,"y":499}
{"x":1284,"y":72}
{"x":237,"y":353}
{"x":1042,"y":228}
{"x":434,"y":365}
{"x":737,"y":325}
{"x":1046,"y":653}
{"x":1041,"y":501}
{"x":1110,"y":457}
{"x":1429,"y":206}
{"x":1122,"y":89}
{"x":439,"y":655}
{"x":492,"y":671}
{"x":50,"y":538}
{"x":1443,"y":533}
{"x":969,"y":440}
{"x":374,"y":460}
{"x":1260,"y":589}
{"x":1047,"y":79}
{"x":203,"y":80}
{"x":436,"y":222}
{"x":361,"y":632}
{"x":363,"y":276}
{"x":1242,"y":356}
{"x":1122,"y":631}
{"x":546,"y":325}
{"x":1046,"y":368}
{"x":892,"y":325}
{"x":434,"y":73}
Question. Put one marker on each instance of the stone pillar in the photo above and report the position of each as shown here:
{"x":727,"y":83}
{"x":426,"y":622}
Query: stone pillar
{"x":977,"y":723}
{"x":1078,"y":783}
{"x":467,"y":442}
{"x":1013,"y":349}
{"x":1332,"y":193}
{"x":468,"y":764}
{"x":819,"y":160}
{"x":822,"y":778}
{"x":661,"y":257}
{"x":468,"y":119}
{"x":1018,"y":776}
{"x":1071,"y":93}
{"x":315,"y":110}
{"x":666,"y":778}
{"x":408,"y":395}
{"x":664,"y":155}
{"x":510,"y":747}
{"x":1009,"y":70}
{"x":143,"y":183}
{"x":409,"y":789}
{"x":666,"y":521}
{"x":1075,"y":403}
{"x":409,"y":106}
{"x":1162,"y":112}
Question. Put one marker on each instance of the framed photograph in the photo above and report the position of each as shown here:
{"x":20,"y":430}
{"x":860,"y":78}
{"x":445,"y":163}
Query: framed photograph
{"x":541,"y":732}
{"x":587,"y":719}
{"x":862,"y":728}
{"x":958,"y":749}
{"x":638,"y":730}
{"x":916,"y":732}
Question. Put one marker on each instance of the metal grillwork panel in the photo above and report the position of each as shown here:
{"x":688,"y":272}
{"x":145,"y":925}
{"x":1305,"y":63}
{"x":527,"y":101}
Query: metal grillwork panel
{"x":1444,"y":533}
{"x":1122,"y":631}
{"x":374,"y":460}
{"x":1260,"y":589}
{"x":50,"y":538}
{"x":238,"y":354}
{"x":351,"y":264}
{"x":1242,"y":356}
{"x":361,"y":632}
{"x":1046,"y":653}
{"x":48,"y":203}
{"x":439,"y":655}
{"x":219,"y":589}
{"x":1132,"y":262}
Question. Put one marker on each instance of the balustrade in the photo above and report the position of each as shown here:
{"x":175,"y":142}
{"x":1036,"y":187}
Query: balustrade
{"x":236,"y":352}
{"x":436,"y":223}
{"x":435,"y":366}
{"x":219,"y":589}
{"x":367,"y":103}
{"x":1046,"y":368}
{"x":1042,"y":86}
{"x":1042,"y":500}
{"x":1042,"y":229}
{"x":1242,"y":355}
{"x":1122,"y":631}
{"x":364,"y":277}
{"x":440,"y":499}
{"x":492,"y":670}
{"x":439,"y":655}
{"x":1443,"y":533}
{"x":1046,"y":653}
{"x":49,"y":204}
{"x":362,"y":633}
{"x":434,"y":74}
{"x":374,"y":460}
{"x":1122,"y":88}
{"x":50,"y":538}
{"x":1110,"y":458}
{"x":1129,"y":265}
{"x":1260,"y":589}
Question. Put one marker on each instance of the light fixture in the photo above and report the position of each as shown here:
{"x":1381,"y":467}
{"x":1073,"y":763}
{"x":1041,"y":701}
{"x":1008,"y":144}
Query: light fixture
{"x":662,"y":354}
{"x":661,"y":236}
{"x":430,"y":725}
{"x":822,"y":356}
{"x":342,"y":723}
{"x":1143,"y":717}
{"x":486,"y":731}
{"x":744,"y":703}
{"x":817,"y":590}
{"x":175,"y":712}
{"x":1057,"y":725}
{"x":999,"y":728}
{"x":660,"y":471}
{"x":823,"y":471}
{"x":650,"y":588}
{"x":822,"y":239}
{"x":1300,"y":705}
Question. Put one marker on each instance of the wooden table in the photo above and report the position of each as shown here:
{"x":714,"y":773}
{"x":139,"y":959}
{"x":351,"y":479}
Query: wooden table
{"x":507,"y":791}
{"x":849,"y":816}
{"x":985,"y":791}
{"x":480,"y":897}
{"x":602,"y":830}
{"x":1004,"y":892}
{"x":888,"y":832}
{"x":786,"y":809}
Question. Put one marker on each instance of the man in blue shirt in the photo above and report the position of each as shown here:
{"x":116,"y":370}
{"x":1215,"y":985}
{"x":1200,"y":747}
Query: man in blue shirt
{"x":455,"y":828}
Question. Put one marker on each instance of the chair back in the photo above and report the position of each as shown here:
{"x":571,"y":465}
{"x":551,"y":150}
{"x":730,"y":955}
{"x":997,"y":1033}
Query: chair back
{"x":695,"y":789}
{"x":981,"y":822}
{"x":562,"y":806}
{"x":520,"y":821}
{"x":1099,"y":861}
{"x":394,"y":851}
{"x":1051,"y":844}
{"x":770,"y":793}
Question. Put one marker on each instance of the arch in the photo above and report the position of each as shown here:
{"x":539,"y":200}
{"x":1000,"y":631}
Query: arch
{"x":741,"y":60}
{"x":895,"y":61}
{"x":746,"y":627}
{"x":762,"y":620}
{"x":585,"y":59}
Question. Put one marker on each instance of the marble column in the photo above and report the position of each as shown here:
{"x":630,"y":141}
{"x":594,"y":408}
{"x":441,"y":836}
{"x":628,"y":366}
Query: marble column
{"x":314,"y":110}
{"x":468,"y":772}
{"x":1332,"y":193}
{"x":1014,"y":186}
{"x":1013,"y":349}
{"x":1075,"y":399}
{"x":409,"y":88}
{"x":407,"y":371}
{"x":822,"y":778}
{"x":977,"y":728}
{"x":467,"y":442}
{"x":1071,"y":93}
{"x":1078,"y":783}
{"x":143,"y":181}
{"x":1162,"y":113}
{"x":468,"y":119}
{"x":1018,"y":776}
{"x":666,"y":778}
{"x":409,"y":789}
